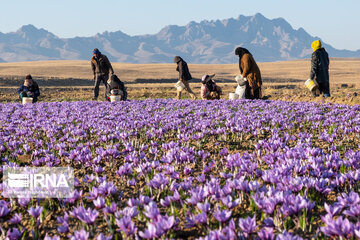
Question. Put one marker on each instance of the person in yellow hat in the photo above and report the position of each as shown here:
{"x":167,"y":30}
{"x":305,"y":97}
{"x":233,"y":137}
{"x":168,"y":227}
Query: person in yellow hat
{"x":320,"y":68}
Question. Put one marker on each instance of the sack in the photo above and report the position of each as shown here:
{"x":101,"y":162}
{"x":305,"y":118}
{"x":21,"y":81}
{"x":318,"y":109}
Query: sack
{"x":240,"y":90}
{"x":233,"y":96}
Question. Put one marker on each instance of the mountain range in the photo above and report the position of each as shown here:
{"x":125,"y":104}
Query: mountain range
{"x":197,"y":42}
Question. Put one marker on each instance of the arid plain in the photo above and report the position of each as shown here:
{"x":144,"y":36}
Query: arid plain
{"x":72,"y":80}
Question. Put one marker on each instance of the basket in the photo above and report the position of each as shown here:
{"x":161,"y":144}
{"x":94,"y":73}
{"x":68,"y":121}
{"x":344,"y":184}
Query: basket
{"x":179,"y":86}
{"x":311,"y":84}
{"x":115,"y":98}
{"x":233,"y":96}
{"x":27,"y":100}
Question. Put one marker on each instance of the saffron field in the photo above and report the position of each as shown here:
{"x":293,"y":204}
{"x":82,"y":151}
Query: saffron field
{"x":186,"y":169}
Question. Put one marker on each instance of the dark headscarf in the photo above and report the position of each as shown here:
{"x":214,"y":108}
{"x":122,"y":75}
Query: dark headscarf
{"x":240,"y":52}
{"x":177,"y":59}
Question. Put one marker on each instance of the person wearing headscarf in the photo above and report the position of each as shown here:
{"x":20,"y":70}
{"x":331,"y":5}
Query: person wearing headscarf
{"x":101,"y":67}
{"x":320,"y":68}
{"x":29,"y":89}
{"x":209,"y":90}
{"x":250,"y":73}
{"x":184,"y":76}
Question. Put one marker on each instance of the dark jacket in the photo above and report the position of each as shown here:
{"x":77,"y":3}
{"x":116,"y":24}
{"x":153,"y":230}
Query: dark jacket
{"x":34,"y":88}
{"x":320,"y":66}
{"x":115,"y":83}
{"x":101,"y":65}
{"x":183,"y":70}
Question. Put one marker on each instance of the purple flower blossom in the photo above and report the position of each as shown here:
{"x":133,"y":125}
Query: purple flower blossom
{"x":88,"y":216}
{"x":248,"y":225}
{"x":101,"y":236}
{"x":222,"y":216}
{"x":151,"y":210}
{"x":13,"y":234}
{"x":80,"y":235}
{"x":338,"y":227}
{"x":35,"y":212}
{"x":126,"y":225}
{"x":149,"y":233}
{"x":16,"y":219}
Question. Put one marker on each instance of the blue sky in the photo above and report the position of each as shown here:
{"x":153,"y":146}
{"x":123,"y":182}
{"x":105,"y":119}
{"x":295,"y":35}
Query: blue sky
{"x":335,"y":22}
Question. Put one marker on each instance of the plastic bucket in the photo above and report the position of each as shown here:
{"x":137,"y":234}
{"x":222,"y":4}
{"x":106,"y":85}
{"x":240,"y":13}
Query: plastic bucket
{"x":27,"y":100}
{"x":311,"y":84}
{"x":233,"y":96}
{"x":115,"y":98}
{"x":179,"y":86}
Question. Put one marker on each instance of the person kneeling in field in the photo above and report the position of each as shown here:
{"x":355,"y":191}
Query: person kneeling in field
{"x":115,"y":87}
{"x":29,"y":89}
{"x":209,"y":89}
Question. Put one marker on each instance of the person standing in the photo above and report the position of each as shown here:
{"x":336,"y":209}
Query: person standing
{"x":320,"y":68}
{"x":250,"y":73}
{"x":184,"y":76}
{"x":29,"y":89}
{"x":101,"y":68}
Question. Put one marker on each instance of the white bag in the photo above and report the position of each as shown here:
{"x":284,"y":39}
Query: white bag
{"x":233,"y":96}
{"x":240,"y":90}
{"x":179,"y":86}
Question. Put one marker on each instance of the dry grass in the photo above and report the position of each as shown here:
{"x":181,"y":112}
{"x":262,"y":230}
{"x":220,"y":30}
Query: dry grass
{"x":282,"y":80}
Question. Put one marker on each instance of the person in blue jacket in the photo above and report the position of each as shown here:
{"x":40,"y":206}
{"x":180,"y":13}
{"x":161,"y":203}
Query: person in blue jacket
{"x":29,"y":89}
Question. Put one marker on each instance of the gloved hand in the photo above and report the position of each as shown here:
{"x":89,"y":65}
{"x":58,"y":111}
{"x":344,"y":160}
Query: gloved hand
{"x":244,"y":79}
{"x":239,"y":78}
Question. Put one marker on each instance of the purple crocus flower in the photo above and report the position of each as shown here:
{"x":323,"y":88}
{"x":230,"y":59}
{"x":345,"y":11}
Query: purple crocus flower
{"x":88,"y":216}
{"x":4,"y":210}
{"x":151,"y":210}
{"x":204,"y":207}
{"x":16,"y":219}
{"x":222,"y":216}
{"x":126,"y":225}
{"x":47,"y":237}
{"x":101,"y":236}
{"x":80,"y":235}
{"x":35,"y":212}
{"x":24,"y":201}
{"x":266,"y":233}
{"x":287,"y":236}
{"x":339,"y":227}
{"x":13,"y":234}
{"x":248,"y":225}
{"x":149,"y":233}
{"x":110,"y":210}
{"x":99,"y":202}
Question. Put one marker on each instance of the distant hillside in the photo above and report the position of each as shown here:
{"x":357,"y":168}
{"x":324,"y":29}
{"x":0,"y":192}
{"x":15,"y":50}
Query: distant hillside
{"x":204,"y":42}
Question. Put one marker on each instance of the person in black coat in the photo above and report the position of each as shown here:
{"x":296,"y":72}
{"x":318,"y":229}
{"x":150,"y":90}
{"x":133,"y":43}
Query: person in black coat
{"x":184,"y":76}
{"x":29,"y":89}
{"x":320,"y":68}
{"x":115,"y":87}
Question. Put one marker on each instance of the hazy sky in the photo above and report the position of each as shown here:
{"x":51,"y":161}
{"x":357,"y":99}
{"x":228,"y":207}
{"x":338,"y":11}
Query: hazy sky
{"x":336,"y":22}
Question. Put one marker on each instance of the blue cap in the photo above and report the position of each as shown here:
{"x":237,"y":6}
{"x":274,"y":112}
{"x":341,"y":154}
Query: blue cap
{"x":96,"y":51}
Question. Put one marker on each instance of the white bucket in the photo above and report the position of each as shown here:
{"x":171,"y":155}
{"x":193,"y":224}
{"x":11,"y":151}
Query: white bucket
{"x":115,"y":98}
{"x":233,"y":96}
{"x":27,"y":100}
{"x":179,"y":86}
